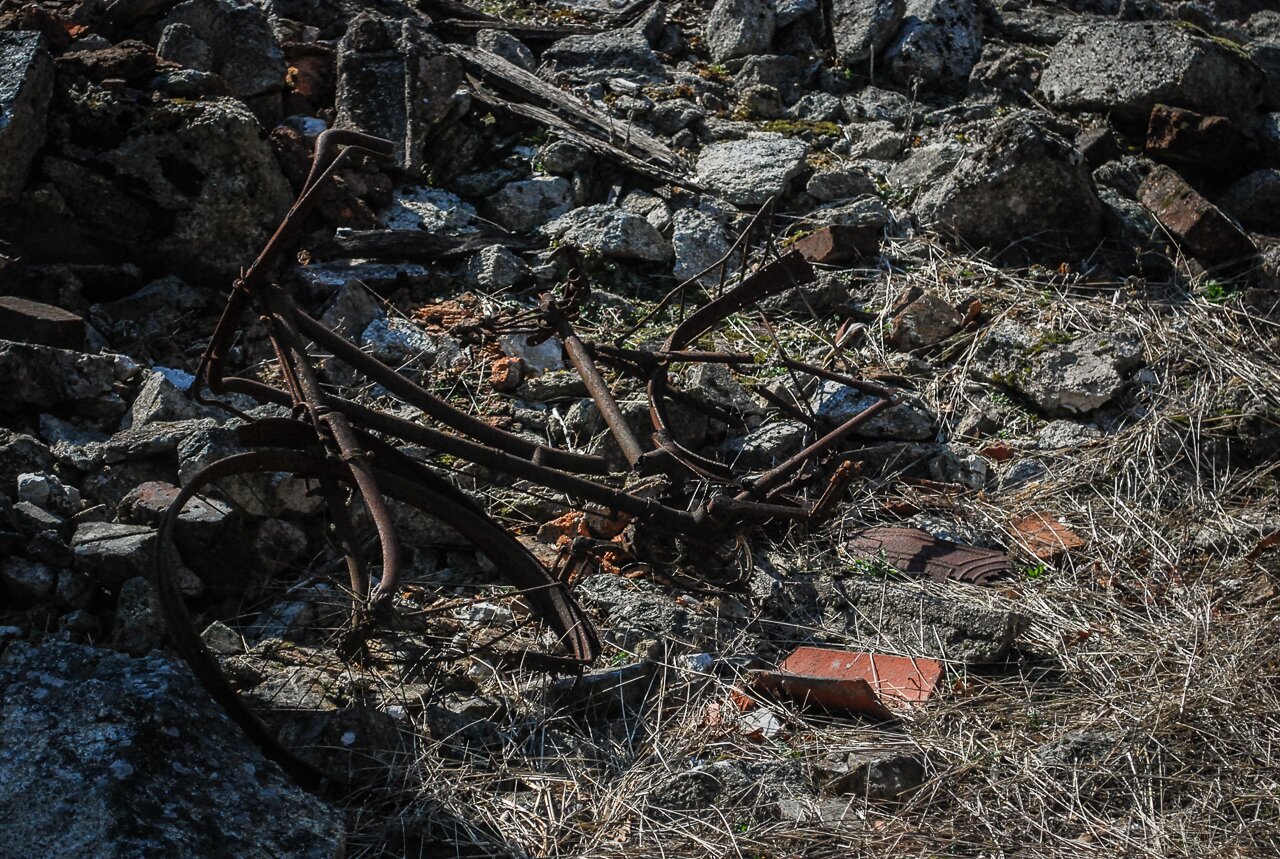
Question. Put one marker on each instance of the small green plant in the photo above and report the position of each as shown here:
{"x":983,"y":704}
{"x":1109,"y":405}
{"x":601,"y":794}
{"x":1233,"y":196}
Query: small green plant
{"x":877,"y":567}
{"x":1035,"y":571}
{"x":1217,"y":292}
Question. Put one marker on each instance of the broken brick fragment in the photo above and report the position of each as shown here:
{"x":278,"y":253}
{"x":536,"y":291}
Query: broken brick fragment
{"x":839,"y":243}
{"x":874,"y":684}
{"x":29,"y":321}
{"x":1207,"y":233}
{"x":505,"y":374}
{"x":1186,"y":137}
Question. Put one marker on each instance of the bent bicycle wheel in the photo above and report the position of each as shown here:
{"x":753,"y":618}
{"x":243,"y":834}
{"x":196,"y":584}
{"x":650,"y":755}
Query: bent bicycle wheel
{"x":324,"y":687}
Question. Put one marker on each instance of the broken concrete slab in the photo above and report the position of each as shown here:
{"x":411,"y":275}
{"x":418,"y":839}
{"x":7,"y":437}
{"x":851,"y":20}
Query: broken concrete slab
{"x":1063,"y":374}
{"x":749,"y":172}
{"x":939,"y":621}
{"x":1029,"y":179}
{"x":50,"y":379}
{"x":1125,"y":68}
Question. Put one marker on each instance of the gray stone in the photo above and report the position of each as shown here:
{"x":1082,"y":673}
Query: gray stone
{"x":1079,"y":747}
{"x":26,"y":84}
{"x":716,"y":386}
{"x":528,"y":204}
{"x":611,"y":232}
{"x":749,"y":172}
{"x":675,"y":114}
{"x":817,"y":107}
{"x":1021,"y":473}
{"x":351,"y":309}
{"x":48,"y":491}
{"x":938,"y":44}
{"x":879,"y":774}
{"x":875,"y":140}
{"x":955,"y":465}
{"x":737,"y":28}
{"x":1130,"y":221}
{"x":420,"y":207}
{"x":222,"y":639}
{"x":790,"y":11}
{"x":397,"y":341}
{"x":180,"y":43}
{"x":161,"y":401}
{"x":20,"y":453}
{"x":553,"y":385}
{"x":920,"y":618}
{"x":862,"y":28}
{"x":598,"y":57}
{"x":873,"y":103}
{"x":102,"y":755}
{"x":27,"y":582}
{"x":1063,"y":434}
{"x":1254,"y":200}
{"x":508,"y":47}
{"x":258,"y":495}
{"x":496,"y":268}
{"x":139,"y":443}
{"x":564,"y":158}
{"x":925,"y":167}
{"x":767,"y":445}
{"x":839,"y":183}
{"x":1028,"y":180}
{"x":239,"y":44}
{"x":1062,"y":378}
{"x":1126,"y":68}
{"x":636,"y":611}
{"x":139,"y":625}
{"x":48,"y":379}
{"x":698,"y":242}
{"x":835,"y":403}
{"x":113,"y":553}
{"x":702,"y":787}
{"x":924,"y":320}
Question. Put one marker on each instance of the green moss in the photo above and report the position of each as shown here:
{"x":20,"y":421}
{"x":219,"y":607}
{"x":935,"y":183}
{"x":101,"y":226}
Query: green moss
{"x":798,"y":127}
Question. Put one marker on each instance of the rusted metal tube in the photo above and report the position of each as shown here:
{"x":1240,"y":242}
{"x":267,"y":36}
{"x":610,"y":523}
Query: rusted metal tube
{"x":580,"y":357}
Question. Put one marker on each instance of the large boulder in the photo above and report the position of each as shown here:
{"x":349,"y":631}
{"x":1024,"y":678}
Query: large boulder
{"x":192,"y":186}
{"x":232,"y":39}
{"x":1028,"y":180}
{"x":104,"y":756}
{"x":1126,"y":68}
{"x":26,"y":82}
{"x":938,"y":45}
{"x":862,"y":28}
{"x":738,"y":28}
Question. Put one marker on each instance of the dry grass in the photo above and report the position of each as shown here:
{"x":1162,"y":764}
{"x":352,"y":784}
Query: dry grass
{"x":1140,"y":715}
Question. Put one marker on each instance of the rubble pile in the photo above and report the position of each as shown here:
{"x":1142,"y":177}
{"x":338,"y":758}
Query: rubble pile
{"x":990,"y":202}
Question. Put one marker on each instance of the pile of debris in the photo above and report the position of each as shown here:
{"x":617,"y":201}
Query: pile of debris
{"x":574,"y":352}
